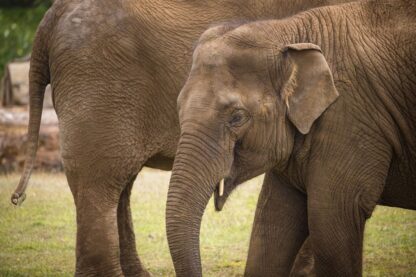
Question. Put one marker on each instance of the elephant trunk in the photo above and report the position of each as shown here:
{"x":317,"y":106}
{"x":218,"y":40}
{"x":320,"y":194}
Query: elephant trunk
{"x":199,"y":164}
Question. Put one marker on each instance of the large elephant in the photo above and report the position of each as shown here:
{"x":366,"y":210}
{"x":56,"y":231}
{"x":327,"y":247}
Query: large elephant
{"x":116,"y":68}
{"x":323,"y":103}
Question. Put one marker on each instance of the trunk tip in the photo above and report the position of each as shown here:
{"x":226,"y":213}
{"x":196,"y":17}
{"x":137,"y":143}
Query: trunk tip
{"x":17,"y":199}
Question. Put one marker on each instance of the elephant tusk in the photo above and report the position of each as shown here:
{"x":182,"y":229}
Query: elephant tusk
{"x":221,"y":189}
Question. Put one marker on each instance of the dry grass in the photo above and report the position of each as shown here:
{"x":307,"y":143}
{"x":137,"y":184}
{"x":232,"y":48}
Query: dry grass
{"x":38,"y":238}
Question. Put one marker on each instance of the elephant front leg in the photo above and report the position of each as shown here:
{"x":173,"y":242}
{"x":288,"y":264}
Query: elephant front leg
{"x":129,"y":259}
{"x":340,"y":199}
{"x":279,"y":229}
{"x":304,"y":263}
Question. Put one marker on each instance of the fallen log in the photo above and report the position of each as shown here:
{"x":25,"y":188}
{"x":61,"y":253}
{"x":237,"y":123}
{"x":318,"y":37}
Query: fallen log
{"x":13,"y":139}
{"x":15,"y":85}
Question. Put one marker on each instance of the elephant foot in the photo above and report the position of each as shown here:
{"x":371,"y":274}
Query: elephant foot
{"x":146,"y":274}
{"x":134,"y":270}
{"x":304,"y":262}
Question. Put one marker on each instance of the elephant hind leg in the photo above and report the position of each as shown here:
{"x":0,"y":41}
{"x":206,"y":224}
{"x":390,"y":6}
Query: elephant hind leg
{"x":129,"y":259}
{"x":97,"y":186}
{"x":97,"y":249}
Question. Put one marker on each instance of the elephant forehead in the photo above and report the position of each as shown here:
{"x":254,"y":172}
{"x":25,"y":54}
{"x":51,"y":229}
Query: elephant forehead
{"x":226,"y":98}
{"x":213,"y":53}
{"x":218,"y":99}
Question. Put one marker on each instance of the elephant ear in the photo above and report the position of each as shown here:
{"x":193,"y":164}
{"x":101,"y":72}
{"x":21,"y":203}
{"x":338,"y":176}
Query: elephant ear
{"x":310,"y":88}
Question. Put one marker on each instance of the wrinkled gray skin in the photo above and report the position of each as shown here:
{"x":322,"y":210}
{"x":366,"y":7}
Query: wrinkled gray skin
{"x":116,"y":68}
{"x":323,"y":103}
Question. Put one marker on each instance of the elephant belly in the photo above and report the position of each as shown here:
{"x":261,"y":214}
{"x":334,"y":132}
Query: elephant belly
{"x":400,"y":187}
{"x":161,"y":162}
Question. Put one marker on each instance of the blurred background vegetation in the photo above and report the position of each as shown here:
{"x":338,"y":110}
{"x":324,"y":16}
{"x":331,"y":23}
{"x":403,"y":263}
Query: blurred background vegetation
{"x":18,"y":22}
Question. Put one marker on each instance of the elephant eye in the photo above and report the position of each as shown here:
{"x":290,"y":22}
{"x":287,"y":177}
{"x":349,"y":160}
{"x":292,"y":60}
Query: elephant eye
{"x":238,"y":118}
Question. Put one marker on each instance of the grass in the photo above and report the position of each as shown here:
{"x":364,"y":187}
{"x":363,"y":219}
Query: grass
{"x":38,"y":238}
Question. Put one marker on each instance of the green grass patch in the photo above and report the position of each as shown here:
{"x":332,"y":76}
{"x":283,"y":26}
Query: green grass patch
{"x":38,"y":238}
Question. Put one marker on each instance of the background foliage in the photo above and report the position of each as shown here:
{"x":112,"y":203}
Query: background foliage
{"x":18,"y":23}
{"x":24,"y":3}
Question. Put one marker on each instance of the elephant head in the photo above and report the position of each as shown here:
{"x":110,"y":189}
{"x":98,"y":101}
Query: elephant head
{"x":239,"y":111}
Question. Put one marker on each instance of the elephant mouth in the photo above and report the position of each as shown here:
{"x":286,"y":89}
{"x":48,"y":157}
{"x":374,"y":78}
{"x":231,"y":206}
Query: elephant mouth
{"x":219,"y":196}
{"x":226,"y":186}
{"x":221,"y":193}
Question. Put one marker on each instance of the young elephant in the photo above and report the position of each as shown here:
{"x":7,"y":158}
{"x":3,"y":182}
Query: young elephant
{"x":116,"y":67}
{"x":323,"y":102}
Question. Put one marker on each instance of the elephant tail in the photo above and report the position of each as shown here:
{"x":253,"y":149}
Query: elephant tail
{"x":39,"y":78}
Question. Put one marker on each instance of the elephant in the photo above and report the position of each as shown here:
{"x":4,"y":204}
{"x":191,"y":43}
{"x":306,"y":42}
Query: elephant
{"x":116,"y":68}
{"x":321,"y":102}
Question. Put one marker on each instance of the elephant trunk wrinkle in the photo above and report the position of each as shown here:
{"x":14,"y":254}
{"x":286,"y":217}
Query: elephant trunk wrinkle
{"x":194,"y":178}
